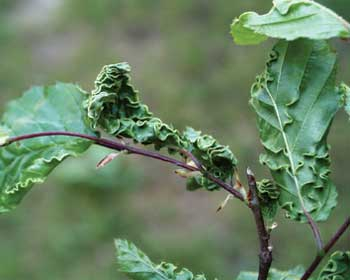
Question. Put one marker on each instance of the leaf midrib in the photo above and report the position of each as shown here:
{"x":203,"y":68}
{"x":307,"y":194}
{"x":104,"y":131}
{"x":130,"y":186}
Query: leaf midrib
{"x":289,"y":154}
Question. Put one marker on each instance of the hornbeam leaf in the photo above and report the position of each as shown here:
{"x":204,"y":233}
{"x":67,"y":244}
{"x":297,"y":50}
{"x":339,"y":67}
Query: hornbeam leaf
{"x":268,"y":194}
{"x":295,"y":100}
{"x":290,"y":20}
{"x":52,"y":108}
{"x":346,"y":97}
{"x":115,"y":106}
{"x":274,"y":274}
{"x":337,"y":268}
{"x":138,"y":266}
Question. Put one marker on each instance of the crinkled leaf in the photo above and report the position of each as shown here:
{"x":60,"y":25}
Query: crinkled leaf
{"x":345,"y":90}
{"x":295,"y":100}
{"x":290,"y":20}
{"x":114,"y":106}
{"x":52,"y":108}
{"x":138,"y":266}
{"x":274,"y":274}
{"x":337,"y":268}
{"x":268,"y":194}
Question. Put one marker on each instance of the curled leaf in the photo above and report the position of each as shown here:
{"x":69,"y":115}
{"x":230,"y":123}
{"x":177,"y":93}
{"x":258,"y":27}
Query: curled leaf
{"x":114,"y":106}
{"x":345,"y":91}
{"x":289,"y":20}
{"x":337,"y":268}
{"x":268,"y":194}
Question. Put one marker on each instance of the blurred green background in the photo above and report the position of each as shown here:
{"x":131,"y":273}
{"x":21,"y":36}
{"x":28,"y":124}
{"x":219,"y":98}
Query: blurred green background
{"x":190,"y":72}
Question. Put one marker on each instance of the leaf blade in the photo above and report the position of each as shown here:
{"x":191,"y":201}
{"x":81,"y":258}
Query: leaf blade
{"x":22,"y":164}
{"x":337,"y":267}
{"x":134,"y":263}
{"x":295,"y":100}
{"x":289,"y":20}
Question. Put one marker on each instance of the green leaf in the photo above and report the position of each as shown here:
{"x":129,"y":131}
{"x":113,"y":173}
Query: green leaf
{"x":345,"y":91}
{"x":115,"y":106}
{"x":52,"y":108}
{"x":138,"y":266}
{"x":274,"y":274}
{"x":337,"y":268}
{"x":295,"y":100}
{"x":290,"y":20}
{"x":268,"y":194}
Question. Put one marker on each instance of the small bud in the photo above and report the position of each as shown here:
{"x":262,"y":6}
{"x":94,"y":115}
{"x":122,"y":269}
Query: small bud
{"x":187,"y":174}
{"x":4,"y":137}
{"x":273,"y":226}
{"x":250,"y":172}
{"x":238,"y":185}
{"x":107,"y":159}
{"x":191,"y":163}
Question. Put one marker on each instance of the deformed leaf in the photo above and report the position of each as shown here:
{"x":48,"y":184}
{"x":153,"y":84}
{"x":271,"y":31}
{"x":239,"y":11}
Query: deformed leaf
{"x":138,"y":266}
{"x":268,"y":194}
{"x":289,"y":20}
{"x":345,"y":91}
{"x":295,"y":100}
{"x":41,"y":109}
{"x":274,"y":274}
{"x":337,"y":268}
{"x":115,"y":106}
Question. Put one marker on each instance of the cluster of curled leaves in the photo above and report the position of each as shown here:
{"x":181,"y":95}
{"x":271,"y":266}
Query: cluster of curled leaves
{"x":295,"y":99}
{"x":115,"y":107}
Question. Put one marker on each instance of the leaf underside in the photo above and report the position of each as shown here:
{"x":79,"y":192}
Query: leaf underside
{"x":41,"y":109}
{"x":289,"y":20}
{"x":337,"y":268}
{"x":274,"y":274}
{"x":115,"y":107}
{"x":295,"y":100}
{"x":138,"y":266}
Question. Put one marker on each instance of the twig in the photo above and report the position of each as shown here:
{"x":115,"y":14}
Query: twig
{"x":130,"y":149}
{"x":326,"y":249}
{"x":265,"y":254}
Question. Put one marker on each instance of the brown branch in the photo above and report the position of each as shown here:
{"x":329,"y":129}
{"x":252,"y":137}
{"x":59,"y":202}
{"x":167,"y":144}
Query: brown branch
{"x":326,"y":249}
{"x":265,"y":254}
{"x":130,"y":149}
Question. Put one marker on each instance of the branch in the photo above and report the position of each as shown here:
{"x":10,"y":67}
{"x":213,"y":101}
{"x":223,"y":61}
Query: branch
{"x":132,"y":150}
{"x":326,"y":249}
{"x":265,"y":254}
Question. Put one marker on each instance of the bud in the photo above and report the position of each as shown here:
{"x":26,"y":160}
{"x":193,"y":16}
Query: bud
{"x":107,"y":159}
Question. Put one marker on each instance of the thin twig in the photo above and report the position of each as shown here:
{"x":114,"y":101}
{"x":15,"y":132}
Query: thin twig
{"x":265,"y":254}
{"x":326,"y":249}
{"x":130,"y":149}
